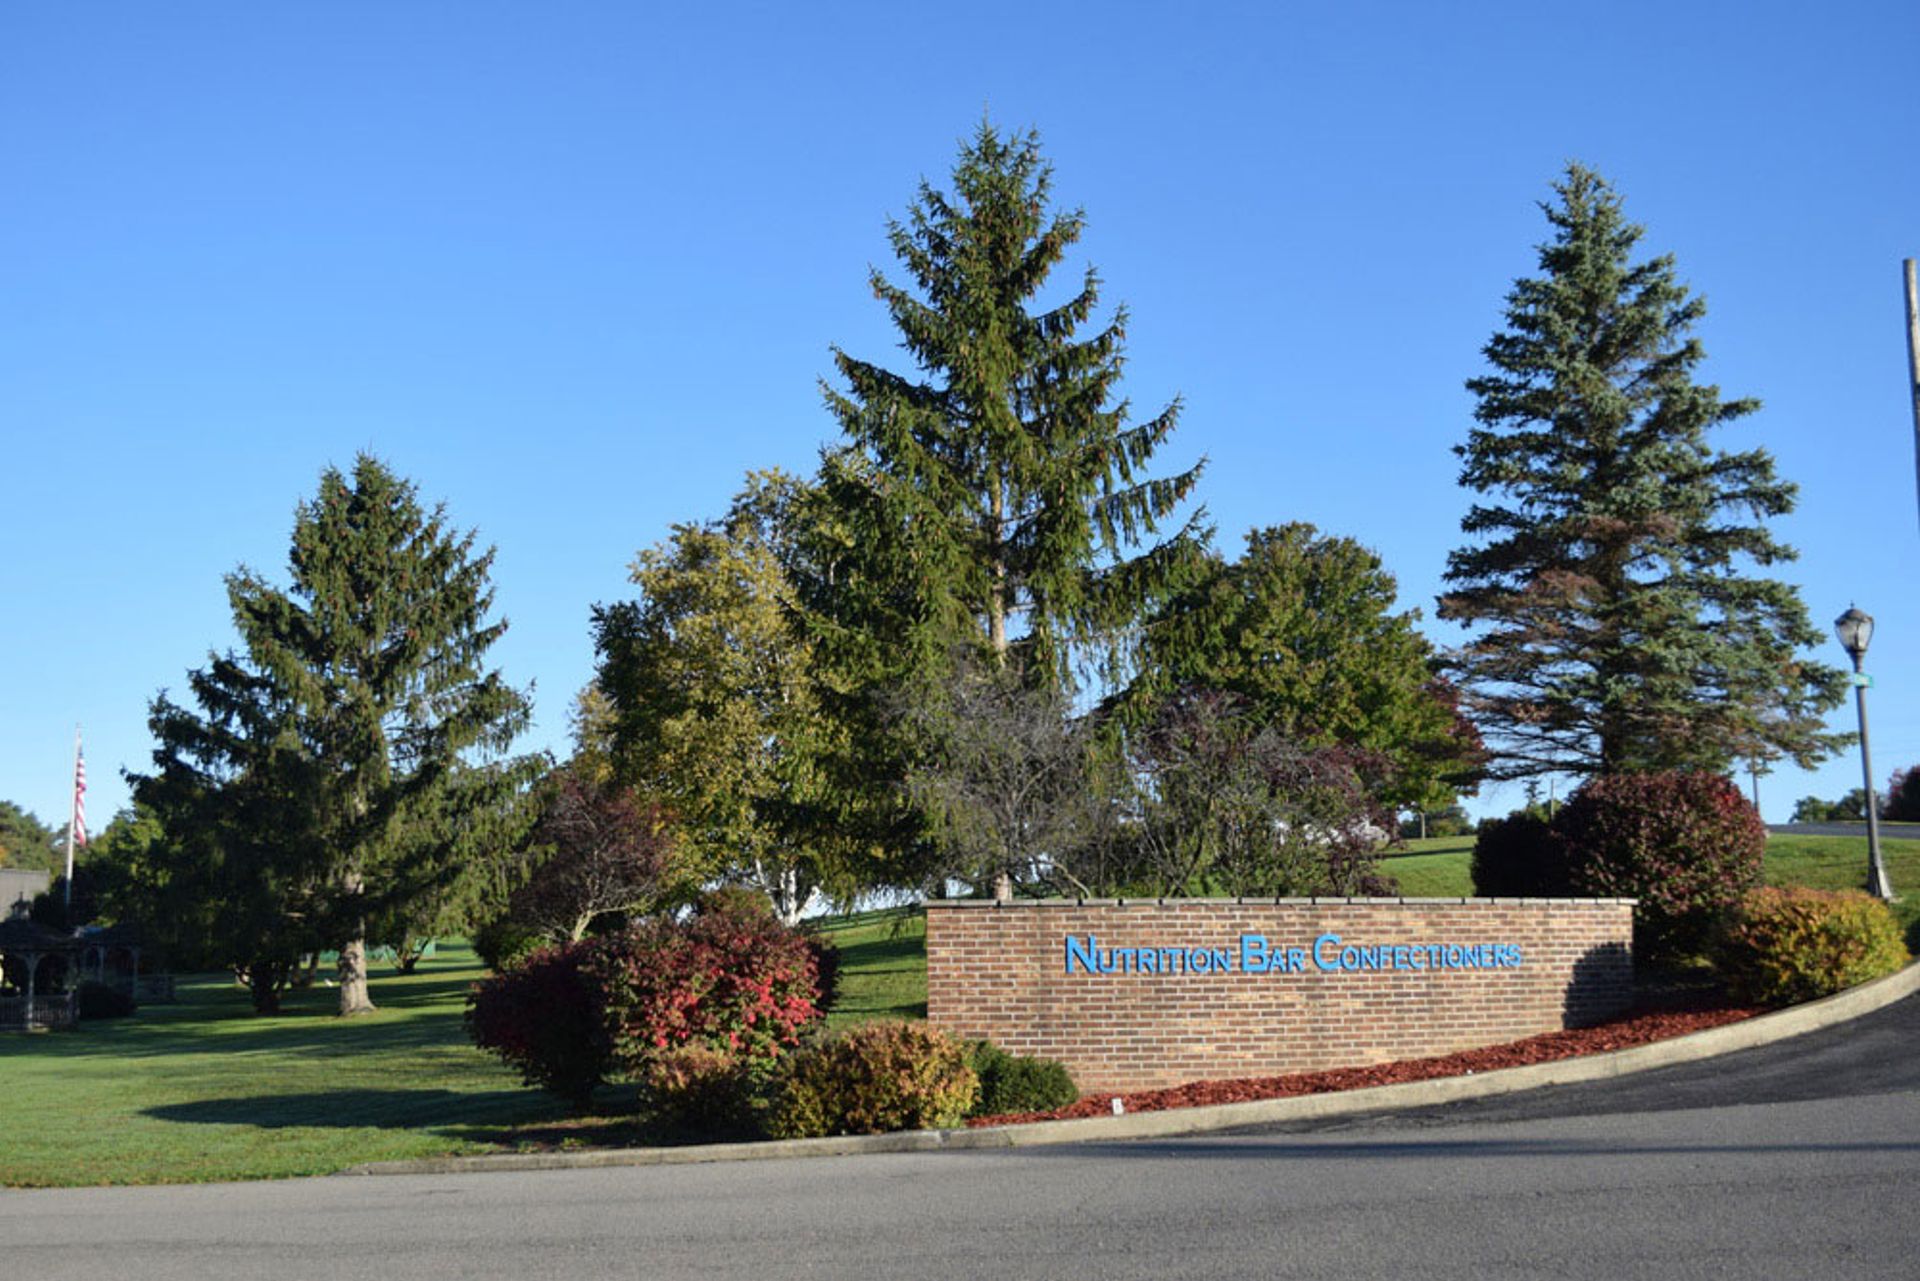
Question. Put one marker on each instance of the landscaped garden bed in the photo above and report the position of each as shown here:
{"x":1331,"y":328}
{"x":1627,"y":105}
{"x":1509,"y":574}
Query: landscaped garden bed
{"x":1615,"y":1034}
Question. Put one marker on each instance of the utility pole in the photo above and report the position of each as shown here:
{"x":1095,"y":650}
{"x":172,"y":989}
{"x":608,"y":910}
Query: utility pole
{"x":1913,"y":367}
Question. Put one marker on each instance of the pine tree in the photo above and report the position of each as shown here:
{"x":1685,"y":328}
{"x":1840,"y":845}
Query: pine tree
{"x":378,"y":652}
{"x":239,"y":876}
{"x":997,"y":496}
{"x":1611,"y":576}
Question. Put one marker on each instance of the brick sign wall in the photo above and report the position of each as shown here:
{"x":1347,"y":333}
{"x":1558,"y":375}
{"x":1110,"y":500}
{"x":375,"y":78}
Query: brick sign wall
{"x":1140,"y":994}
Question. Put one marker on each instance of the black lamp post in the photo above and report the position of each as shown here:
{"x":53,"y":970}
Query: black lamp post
{"x":1855,"y":630}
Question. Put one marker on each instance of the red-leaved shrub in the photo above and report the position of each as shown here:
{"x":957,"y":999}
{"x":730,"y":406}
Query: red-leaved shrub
{"x":1519,"y":856}
{"x":731,"y":978}
{"x":1686,"y":844}
{"x":545,"y":1017}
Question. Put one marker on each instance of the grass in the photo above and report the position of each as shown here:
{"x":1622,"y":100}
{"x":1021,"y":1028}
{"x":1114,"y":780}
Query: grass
{"x":202,"y":1090}
{"x":883,"y":966}
{"x":1840,"y":863}
{"x":1441,"y":867}
{"x":1435,"y":845}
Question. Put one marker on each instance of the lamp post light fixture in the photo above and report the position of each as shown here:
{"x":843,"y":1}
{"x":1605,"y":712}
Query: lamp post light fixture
{"x":1855,"y":630}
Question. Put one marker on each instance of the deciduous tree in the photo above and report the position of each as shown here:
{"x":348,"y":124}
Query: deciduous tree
{"x":714,"y":700}
{"x":597,"y":848}
{"x":26,"y":842}
{"x":1302,"y":630}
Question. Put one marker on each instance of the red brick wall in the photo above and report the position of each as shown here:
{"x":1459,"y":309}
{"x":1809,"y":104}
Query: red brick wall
{"x":1000,"y":971}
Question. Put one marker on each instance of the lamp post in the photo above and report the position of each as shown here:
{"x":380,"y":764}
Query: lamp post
{"x":1855,"y":629}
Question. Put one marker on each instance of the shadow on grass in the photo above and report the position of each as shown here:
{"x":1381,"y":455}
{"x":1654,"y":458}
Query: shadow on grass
{"x":902,"y":952}
{"x":482,"y":1116}
{"x":306,"y":1032}
{"x":214,"y":1017}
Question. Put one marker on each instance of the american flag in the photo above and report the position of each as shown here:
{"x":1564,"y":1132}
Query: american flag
{"x":79,"y":796}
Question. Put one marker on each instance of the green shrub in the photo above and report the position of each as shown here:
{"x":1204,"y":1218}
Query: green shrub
{"x":99,"y":1001}
{"x":1686,"y":844}
{"x":699,"y":1090}
{"x":1519,"y":856}
{"x":1017,"y":1083}
{"x":872,"y":1079}
{"x":1787,"y":945}
{"x":736,"y":900}
{"x":503,"y":944}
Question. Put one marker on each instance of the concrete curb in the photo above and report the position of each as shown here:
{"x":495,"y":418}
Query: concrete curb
{"x":1764,"y":1029}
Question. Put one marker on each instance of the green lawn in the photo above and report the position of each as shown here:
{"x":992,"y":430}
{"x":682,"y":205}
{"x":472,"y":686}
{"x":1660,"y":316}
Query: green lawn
{"x":883,"y":966}
{"x":1840,"y":863}
{"x":1440,"y":867}
{"x":203,"y":1090}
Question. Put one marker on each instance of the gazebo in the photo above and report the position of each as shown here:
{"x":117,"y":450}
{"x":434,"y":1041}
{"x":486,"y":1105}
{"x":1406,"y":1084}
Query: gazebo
{"x":24,"y":948}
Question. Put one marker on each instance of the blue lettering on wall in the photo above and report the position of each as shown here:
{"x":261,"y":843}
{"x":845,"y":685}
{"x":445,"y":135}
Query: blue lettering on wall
{"x":1258,"y":954}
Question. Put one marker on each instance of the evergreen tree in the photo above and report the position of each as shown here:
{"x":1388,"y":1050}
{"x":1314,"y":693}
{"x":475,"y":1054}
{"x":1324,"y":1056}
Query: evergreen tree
{"x":1621,"y":625}
{"x":373,"y":661}
{"x":997,"y":495}
{"x":1302,"y":630}
{"x":235,"y":872}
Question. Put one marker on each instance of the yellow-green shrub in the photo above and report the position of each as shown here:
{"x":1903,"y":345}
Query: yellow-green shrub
{"x":872,"y":1079}
{"x":699,"y":1090}
{"x":1785,"y":945}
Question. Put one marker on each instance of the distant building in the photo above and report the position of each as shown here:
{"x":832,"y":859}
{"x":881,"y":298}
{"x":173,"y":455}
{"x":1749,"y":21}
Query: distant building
{"x":18,"y":888}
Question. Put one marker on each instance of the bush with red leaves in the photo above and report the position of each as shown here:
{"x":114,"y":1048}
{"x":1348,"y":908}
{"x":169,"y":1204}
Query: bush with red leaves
{"x":1687,"y":844}
{"x":731,"y":978}
{"x":545,"y":1017}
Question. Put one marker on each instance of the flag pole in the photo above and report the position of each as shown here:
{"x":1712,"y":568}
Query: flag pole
{"x":73,"y":820}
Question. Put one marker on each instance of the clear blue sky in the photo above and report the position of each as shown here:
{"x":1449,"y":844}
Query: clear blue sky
{"x":575,"y":268}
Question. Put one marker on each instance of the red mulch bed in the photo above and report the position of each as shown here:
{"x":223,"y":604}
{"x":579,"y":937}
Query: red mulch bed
{"x":1619,"y":1034}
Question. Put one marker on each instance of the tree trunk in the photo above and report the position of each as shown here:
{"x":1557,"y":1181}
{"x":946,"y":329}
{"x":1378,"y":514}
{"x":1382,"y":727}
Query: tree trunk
{"x":264,"y":987}
{"x":997,"y":589}
{"x":1002,"y":885}
{"x":354,"y":998}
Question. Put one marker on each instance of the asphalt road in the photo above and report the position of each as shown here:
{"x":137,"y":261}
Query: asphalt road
{"x":1795,"y":1160}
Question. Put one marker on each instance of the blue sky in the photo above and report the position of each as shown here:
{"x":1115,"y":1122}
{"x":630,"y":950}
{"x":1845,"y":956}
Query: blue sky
{"x":576,"y":267}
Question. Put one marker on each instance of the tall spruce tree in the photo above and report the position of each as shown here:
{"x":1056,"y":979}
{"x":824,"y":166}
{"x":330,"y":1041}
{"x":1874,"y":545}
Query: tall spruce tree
{"x":1620,"y":622}
{"x":998,"y":496}
{"x":377,"y":652}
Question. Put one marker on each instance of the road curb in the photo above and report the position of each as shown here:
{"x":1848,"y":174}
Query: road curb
{"x":1761,"y":1030}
